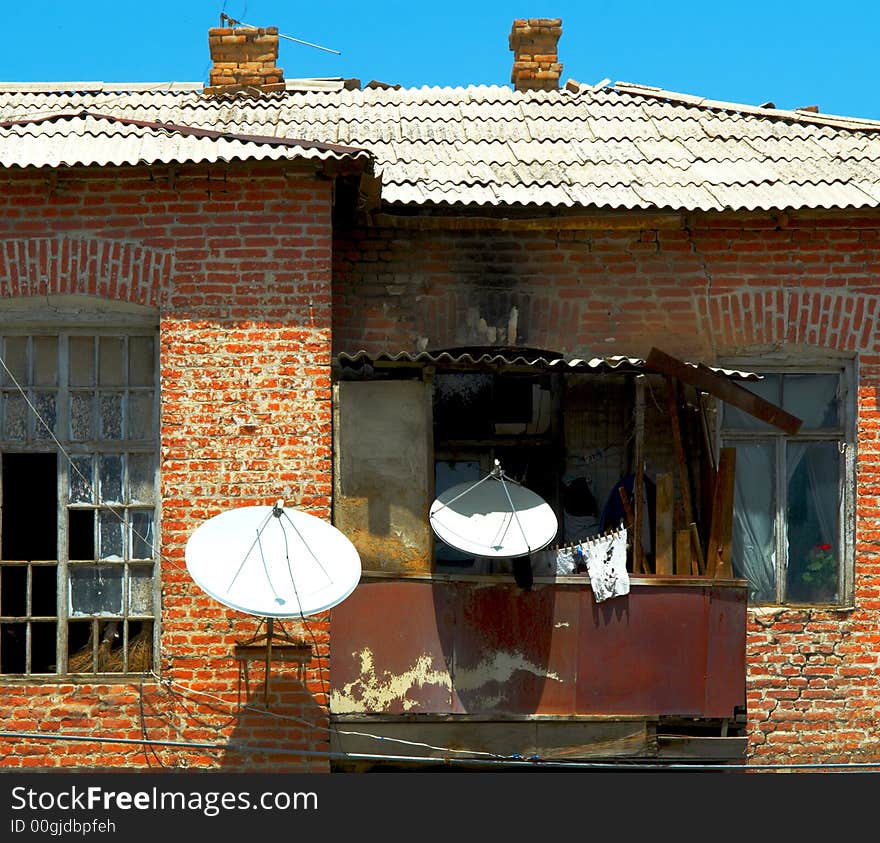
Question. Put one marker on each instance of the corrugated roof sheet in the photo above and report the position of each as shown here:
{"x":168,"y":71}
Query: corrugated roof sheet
{"x":620,"y":147}
{"x":456,"y":358}
{"x":86,"y":138}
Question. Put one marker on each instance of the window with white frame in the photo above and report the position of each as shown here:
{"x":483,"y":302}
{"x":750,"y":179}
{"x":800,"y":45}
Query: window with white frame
{"x":793,"y":502}
{"x":78,"y":560}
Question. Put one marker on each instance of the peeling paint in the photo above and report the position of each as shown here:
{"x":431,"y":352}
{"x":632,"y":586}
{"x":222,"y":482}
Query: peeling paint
{"x":372,"y":692}
{"x":500,"y":667}
{"x":489,"y":683}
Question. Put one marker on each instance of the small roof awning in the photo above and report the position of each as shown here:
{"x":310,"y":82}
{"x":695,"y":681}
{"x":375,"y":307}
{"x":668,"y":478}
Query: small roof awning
{"x":501,"y":357}
{"x":716,"y":381}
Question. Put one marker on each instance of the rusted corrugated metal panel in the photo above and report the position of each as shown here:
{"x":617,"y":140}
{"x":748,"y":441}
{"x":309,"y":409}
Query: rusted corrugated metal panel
{"x":467,"y":648}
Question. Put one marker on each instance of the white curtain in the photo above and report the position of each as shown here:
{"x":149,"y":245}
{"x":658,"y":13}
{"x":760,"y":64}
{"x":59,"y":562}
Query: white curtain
{"x":811,"y":480}
{"x":754,"y":507}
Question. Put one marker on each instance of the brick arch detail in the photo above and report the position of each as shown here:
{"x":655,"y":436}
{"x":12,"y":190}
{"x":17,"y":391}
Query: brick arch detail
{"x":838,"y":319}
{"x":111,"y":269}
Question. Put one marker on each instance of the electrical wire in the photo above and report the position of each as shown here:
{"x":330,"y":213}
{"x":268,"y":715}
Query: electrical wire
{"x":88,"y":483}
{"x":532,"y":762}
{"x":233,"y":21}
{"x":313,"y":725}
{"x":152,"y":545}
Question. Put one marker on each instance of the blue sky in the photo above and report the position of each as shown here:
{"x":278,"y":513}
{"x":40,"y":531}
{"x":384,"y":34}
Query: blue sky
{"x":791,"y":53}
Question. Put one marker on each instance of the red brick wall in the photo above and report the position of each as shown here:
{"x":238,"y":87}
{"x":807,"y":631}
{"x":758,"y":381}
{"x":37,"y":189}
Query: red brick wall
{"x":722,"y":285}
{"x":236,"y":261}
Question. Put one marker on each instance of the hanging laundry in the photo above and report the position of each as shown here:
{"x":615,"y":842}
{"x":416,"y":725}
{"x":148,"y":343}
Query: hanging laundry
{"x":605,"y":558}
{"x":554,"y":562}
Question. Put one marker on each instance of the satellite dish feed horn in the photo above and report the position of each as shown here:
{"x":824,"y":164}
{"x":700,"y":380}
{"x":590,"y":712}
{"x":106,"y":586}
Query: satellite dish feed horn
{"x":274,"y":563}
{"x":495,"y":517}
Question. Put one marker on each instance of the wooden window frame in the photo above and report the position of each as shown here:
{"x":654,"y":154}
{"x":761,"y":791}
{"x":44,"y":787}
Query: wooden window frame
{"x":844,"y":434}
{"x":124,"y":326}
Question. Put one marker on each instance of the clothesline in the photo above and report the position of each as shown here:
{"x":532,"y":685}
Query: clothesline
{"x":603,"y":557}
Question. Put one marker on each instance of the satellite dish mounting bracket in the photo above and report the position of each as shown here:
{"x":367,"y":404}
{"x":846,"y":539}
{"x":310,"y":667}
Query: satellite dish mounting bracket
{"x":273,"y":645}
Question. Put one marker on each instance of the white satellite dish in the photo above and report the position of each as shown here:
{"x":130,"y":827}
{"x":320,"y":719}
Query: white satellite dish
{"x":273,"y":562}
{"x":494,"y":517}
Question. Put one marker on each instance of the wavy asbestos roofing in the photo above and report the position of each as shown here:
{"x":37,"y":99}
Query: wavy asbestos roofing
{"x":89,"y":138}
{"x":459,"y":359}
{"x":618,"y":147}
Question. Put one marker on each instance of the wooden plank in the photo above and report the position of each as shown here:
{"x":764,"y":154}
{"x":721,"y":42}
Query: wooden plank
{"x":718,"y":558}
{"x":707,"y":470}
{"x":629,"y":518}
{"x":680,"y":461}
{"x":663,"y":556}
{"x":639,"y":564}
{"x":698,"y":561}
{"x":627,"y":507}
{"x":683,"y":554}
{"x":721,"y":387}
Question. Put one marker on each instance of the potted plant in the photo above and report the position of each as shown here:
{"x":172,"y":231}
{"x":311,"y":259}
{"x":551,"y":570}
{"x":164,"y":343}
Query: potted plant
{"x":820,"y":574}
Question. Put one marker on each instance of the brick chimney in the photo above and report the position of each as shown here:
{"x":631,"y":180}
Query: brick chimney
{"x":535,"y":65}
{"x":244,"y":58}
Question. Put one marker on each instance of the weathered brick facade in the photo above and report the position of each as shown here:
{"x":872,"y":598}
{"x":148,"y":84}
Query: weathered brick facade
{"x":710,"y":287}
{"x":236,"y":263}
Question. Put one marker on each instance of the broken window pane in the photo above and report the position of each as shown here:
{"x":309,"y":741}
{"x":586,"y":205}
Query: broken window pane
{"x":82,"y":427}
{"x":45,"y":361}
{"x":80,"y":480}
{"x":13,"y":591}
{"x":111,"y":641}
{"x":142,"y":537}
{"x":79,"y":647}
{"x":30,"y":506}
{"x":140,"y":478}
{"x":140,"y":415}
{"x":44,"y":424}
{"x":140,"y":590}
{"x":44,"y":591}
{"x":15,"y":358}
{"x":110,"y":478}
{"x":140,"y":646}
{"x":15,"y":412}
{"x":13,"y":647}
{"x":81,"y":534}
{"x":111,"y":531}
{"x":96,"y":590}
{"x":111,"y":359}
{"x":82,"y":361}
{"x":140,"y":361}
{"x":111,"y":415}
{"x":43,"y":639}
